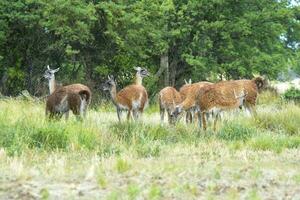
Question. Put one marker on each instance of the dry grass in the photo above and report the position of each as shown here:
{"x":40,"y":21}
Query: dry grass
{"x":193,"y":172}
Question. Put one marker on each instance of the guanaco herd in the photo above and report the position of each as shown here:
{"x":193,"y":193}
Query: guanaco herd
{"x":200,"y":100}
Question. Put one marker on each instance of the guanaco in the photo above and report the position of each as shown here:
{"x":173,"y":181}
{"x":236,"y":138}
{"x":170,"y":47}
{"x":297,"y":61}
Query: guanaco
{"x":169,"y":97}
{"x":75,"y":97}
{"x":132,"y":98}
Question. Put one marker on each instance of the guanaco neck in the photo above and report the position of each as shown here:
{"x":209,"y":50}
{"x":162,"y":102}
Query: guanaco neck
{"x":52,"y":85}
{"x":187,"y":104}
{"x":113,"y":94}
{"x":138,"y":79}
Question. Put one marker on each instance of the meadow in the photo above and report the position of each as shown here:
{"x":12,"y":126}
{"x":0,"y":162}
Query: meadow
{"x":99,"y":158}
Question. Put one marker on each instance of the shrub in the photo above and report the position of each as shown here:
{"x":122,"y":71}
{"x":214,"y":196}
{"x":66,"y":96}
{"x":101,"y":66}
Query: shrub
{"x":292,"y":94}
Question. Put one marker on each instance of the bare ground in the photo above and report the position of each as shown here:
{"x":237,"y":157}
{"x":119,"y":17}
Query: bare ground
{"x":183,"y":172}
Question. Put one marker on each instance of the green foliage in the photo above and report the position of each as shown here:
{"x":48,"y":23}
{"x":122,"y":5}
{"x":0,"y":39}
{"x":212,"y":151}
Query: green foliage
{"x":292,"y":94}
{"x":70,"y":20}
{"x":91,"y":39}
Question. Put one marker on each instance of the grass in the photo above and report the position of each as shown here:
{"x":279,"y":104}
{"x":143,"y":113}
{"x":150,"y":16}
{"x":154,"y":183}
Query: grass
{"x":275,"y":143}
{"x":103,"y":159}
{"x":283,"y":119}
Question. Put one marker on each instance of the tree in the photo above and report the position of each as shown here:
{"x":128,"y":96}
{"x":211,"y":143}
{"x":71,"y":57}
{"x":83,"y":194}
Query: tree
{"x":174,"y":39}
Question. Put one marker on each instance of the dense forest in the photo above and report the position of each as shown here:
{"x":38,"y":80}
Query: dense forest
{"x":173,"y":39}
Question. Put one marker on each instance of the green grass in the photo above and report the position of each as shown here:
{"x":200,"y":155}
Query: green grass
{"x":269,"y":98}
{"x":286,"y":119}
{"x":25,"y":132}
{"x":236,"y":130}
{"x":23,"y":126}
{"x":103,"y":159}
{"x":122,"y":166}
{"x":274,"y":142}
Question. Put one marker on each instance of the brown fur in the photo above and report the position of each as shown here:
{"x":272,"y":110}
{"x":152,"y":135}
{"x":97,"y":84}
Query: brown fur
{"x":77,"y":88}
{"x":132,"y":98}
{"x":189,"y":93}
{"x":184,"y":90}
{"x":219,"y":96}
{"x":132,"y":93}
{"x":67,"y":98}
{"x":252,"y":87}
{"x":192,"y":94}
{"x":169,"y":97}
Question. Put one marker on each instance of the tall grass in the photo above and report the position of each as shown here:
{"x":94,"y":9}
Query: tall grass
{"x":23,"y":126}
{"x":269,"y":98}
{"x":285,"y":119}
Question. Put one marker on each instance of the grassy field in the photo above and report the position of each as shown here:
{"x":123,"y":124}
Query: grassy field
{"x":247,"y":158}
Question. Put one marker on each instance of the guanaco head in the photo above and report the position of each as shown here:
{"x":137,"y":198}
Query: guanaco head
{"x":50,"y":73}
{"x":107,"y":86}
{"x":142,"y":72}
{"x":177,"y":113}
{"x":261,"y":82}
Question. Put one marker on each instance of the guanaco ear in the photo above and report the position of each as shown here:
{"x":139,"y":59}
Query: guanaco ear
{"x":190,"y":81}
{"x":48,"y":67}
{"x":137,"y":68}
{"x":110,"y":77}
{"x":56,"y":70}
{"x":185,"y":82}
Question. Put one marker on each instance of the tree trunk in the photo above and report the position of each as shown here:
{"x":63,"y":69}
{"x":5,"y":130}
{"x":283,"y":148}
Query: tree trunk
{"x":3,"y":83}
{"x":173,"y":72}
{"x":29,"y":79}
{"x":164,"y":64}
